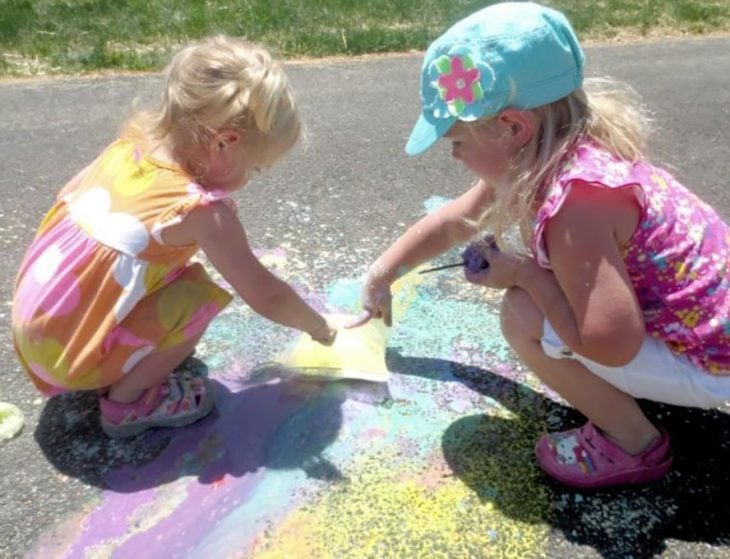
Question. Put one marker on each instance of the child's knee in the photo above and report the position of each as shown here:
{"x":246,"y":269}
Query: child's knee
{"x":520,"y":318}
{"x":191,"y":298}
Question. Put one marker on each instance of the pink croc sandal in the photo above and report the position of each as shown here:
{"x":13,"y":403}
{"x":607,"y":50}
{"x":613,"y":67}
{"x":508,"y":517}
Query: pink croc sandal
{"x":587,"y":459}
{"x":181,"y":399}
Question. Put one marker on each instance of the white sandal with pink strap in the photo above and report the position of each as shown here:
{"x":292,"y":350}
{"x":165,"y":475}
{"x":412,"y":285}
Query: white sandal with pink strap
{"x":179,"y":400}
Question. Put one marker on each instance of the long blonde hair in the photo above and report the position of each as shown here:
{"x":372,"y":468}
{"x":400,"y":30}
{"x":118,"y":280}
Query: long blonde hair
{"x":222,"y":82}
{"x":606,"y":111}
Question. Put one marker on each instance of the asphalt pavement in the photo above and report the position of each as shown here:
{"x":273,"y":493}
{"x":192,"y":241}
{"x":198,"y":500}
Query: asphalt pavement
{"x":321,"y":216}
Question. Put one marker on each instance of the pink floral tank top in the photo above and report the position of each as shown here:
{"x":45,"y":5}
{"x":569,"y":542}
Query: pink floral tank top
{"x":677,"y":258}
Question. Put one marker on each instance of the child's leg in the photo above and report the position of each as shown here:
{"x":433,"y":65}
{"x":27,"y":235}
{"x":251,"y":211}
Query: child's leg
{"x":143,"y":351}
{"x":151,"y":371}
{"x":616,"y":413}
{"x":160,"y":332}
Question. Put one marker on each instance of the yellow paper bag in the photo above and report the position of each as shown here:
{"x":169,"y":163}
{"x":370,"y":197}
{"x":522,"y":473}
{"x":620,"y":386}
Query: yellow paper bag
{"x":358,"y":353}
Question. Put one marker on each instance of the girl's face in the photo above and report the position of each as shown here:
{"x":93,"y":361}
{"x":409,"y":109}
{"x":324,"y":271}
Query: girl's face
{"x":481,"y":149}
{"x":488,"y":149}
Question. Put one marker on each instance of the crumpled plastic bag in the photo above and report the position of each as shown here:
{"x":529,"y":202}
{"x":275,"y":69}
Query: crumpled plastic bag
{"x":11,"y":421}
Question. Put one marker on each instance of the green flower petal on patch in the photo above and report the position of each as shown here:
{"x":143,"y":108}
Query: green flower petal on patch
{"x":443,"y":64}
{"x":457,"y":107}
{"x":466,"y":62}
{"x":477,"y":91}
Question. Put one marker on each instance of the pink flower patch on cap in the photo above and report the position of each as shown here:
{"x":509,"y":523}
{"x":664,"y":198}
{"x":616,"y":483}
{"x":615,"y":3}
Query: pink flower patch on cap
{"x":458,"y":82}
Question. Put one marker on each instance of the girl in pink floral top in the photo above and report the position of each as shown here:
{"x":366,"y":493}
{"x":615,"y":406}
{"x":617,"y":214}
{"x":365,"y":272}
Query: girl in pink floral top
{"x":623,"y":293}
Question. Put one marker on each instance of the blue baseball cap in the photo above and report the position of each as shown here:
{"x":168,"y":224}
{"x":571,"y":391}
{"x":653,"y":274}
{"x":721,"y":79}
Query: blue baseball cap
{"x":512,"y":54}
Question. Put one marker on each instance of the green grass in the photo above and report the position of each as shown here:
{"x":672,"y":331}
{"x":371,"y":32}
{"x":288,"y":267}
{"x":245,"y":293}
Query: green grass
{"x":79,"y":36}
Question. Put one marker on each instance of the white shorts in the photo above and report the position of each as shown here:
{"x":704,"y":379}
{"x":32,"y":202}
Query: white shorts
{"x":654,"y":374}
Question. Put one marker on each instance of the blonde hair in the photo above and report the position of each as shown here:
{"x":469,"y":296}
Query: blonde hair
{"x":223,"y":82}
{"x":606,"y":111}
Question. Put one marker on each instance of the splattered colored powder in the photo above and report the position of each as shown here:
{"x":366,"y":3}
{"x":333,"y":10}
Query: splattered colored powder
{"x":385,"y":512}
{"x":437,"y":464}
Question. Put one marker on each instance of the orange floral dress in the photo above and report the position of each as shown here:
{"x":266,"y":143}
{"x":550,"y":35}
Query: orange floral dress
{"x":99,"y":289}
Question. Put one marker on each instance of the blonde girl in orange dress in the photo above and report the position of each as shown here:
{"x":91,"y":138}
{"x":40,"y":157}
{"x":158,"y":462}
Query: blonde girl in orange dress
{"x":106,"y":297}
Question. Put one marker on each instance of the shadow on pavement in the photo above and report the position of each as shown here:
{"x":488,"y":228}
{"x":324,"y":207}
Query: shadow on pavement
{"x":274,"y":421}
{"x":70,"y":436}
{"x":277,"y":421}
{"x":692,"y":503}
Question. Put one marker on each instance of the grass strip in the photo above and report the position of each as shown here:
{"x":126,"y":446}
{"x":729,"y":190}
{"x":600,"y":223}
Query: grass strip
{"x":41,"y":37}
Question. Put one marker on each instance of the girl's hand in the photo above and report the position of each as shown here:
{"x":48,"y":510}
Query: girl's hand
{"x":325,"y":334}
{"x":376,"y":300}
{"x":486,"y":265}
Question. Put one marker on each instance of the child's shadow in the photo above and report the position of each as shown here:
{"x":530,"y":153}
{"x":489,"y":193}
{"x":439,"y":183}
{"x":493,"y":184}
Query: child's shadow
{"x":276,"y":420}
{"x":494,"y":456}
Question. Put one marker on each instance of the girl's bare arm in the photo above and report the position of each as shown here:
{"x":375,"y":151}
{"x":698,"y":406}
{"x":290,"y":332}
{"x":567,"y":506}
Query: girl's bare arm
{"x":435,"y":233}
{"x":221,"y":236}
{"x":588,"y":297}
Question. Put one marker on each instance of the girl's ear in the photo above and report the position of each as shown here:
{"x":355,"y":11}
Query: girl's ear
{"x":224,"y":138}
{"x":517,"y":125}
